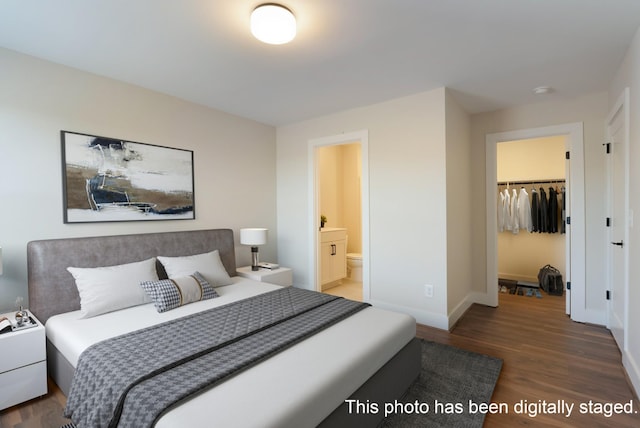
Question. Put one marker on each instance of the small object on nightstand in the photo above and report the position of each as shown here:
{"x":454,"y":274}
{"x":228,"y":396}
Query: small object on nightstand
{"x":21,"y":317}
{"x":266,"y":265}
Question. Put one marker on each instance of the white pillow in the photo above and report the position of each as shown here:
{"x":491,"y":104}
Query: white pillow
{"x":107,"y":289}
{"x":208,"y":264}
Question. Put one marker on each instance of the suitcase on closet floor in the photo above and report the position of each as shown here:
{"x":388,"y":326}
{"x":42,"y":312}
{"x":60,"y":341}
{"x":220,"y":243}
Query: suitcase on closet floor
{"x":550,"y":280}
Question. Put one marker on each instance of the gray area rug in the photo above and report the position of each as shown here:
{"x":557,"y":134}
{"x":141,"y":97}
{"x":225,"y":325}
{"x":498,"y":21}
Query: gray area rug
{"x":451,"y":377}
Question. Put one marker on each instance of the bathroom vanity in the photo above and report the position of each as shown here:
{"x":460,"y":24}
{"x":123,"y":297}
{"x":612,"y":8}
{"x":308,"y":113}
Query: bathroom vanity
{"x":333,"y":256}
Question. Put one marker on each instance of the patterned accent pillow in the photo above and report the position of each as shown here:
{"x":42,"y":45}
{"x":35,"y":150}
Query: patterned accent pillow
{"x":169,"y":294}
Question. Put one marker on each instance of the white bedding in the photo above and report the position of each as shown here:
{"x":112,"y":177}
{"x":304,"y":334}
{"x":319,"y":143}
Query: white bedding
{"x":296,"y":388}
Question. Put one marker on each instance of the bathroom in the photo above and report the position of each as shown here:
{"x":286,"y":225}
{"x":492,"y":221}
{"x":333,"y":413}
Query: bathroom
{"x":340,"y":202}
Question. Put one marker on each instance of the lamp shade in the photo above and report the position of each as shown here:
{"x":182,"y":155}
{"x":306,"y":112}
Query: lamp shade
{"x":273,"y":23}
{"x":253,"y":236}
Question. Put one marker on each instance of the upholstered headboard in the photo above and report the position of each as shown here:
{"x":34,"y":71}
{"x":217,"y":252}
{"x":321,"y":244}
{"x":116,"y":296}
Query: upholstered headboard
{"x":52,"y":289}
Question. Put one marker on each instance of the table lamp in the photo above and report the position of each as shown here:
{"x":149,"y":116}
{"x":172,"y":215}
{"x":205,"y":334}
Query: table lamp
{"x":253,"y":236}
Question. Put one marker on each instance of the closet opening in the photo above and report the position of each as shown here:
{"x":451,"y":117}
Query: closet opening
{"x":531,"y":217}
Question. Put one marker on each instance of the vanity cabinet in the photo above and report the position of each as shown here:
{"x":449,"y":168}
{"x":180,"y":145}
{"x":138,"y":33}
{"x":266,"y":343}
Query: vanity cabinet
{"x":333,"y":256}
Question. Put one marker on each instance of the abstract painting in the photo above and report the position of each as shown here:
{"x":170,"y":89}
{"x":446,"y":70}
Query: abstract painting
{"x":107,"y":179}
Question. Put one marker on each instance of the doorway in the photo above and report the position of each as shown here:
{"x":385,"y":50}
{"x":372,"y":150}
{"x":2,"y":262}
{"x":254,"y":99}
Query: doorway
{"x":576,"y":270}
{"x":361,"y":236}
{"x":531,"y":196}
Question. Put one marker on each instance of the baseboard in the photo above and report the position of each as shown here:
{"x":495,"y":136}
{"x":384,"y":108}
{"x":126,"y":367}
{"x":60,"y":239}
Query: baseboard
{"x":422,"y":317}
{"x":633,"y":372}
{"x":459,"y":311}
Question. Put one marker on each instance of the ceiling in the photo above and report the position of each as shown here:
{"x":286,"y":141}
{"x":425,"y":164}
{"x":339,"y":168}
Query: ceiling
{"x":348,"y":53}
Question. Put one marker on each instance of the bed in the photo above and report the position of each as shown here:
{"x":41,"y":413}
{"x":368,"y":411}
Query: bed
{"x":370,"y":355}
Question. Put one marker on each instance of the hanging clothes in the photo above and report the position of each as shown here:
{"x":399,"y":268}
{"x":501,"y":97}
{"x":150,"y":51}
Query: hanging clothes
{"x":524,"y":211}
{"x":500,"y":212}
{"x":506,"y":207}
{"x":515,"y":225}
{"x":553,"y":211}
{"x":543,"y":212}
{"x":534,"y":209}
{"x":563,"y":224}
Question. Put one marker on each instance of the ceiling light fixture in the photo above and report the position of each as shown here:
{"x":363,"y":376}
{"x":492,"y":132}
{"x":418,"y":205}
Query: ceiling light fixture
{"x":541,"y":90}
{"x":272,"y":23}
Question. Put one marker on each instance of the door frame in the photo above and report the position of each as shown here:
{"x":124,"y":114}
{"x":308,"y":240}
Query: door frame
{"x":620,"y":107}
{"x":576,"y":296}
{"x":357,"y":137}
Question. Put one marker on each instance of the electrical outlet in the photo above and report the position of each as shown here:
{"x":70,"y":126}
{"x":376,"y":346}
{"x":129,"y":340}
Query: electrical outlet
{"x":428,"y":290}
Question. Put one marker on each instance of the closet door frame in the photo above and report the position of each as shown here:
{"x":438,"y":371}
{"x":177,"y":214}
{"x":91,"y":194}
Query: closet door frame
{"x":576,"y":269}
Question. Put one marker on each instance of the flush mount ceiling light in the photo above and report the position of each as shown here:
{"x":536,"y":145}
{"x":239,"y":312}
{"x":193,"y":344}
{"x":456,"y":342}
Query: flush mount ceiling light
{"x":541,"y":90}
{"x":272,"y":23}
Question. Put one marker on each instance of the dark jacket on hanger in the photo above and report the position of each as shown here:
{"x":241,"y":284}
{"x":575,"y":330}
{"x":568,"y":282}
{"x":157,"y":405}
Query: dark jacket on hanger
{"x":543,"y":212}
{"x":534,"y":210}
{"x":553,"y":211}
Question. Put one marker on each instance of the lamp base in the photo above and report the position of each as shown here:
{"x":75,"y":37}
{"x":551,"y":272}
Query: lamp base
{"x":254,"y":262}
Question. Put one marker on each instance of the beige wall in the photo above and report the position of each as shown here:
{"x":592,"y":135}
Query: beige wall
{"x":460,"y":210}
{"x":234,"y":158}
{"x":629,"y":76}
{"x":520,"y":256}
{"x":407,"y":170}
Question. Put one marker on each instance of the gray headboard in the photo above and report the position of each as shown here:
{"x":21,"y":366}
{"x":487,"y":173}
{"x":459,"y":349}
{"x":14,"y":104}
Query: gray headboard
{"x":52,"y":289}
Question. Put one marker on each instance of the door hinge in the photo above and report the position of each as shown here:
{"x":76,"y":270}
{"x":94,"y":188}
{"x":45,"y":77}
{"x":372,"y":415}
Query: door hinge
{"x":608,"y":147}
{"x":568,"y":285}
{"x":608,"y":221}
{"x":567,"y":155}
{"x":569,"y":220}
{"x":608,"y":295}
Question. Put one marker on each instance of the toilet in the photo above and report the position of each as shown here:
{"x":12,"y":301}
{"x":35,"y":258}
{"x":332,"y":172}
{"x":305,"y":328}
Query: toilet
{"x":354,"y":266}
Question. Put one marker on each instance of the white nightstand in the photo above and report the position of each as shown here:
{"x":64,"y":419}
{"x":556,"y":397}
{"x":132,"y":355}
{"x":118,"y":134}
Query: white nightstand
{"x":23,"y":364}
{"x":281,"y":276}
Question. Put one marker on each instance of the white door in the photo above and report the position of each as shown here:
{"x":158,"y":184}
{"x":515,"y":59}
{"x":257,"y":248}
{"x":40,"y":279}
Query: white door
{"x":566,"y":206}
{"x":618,"y":266}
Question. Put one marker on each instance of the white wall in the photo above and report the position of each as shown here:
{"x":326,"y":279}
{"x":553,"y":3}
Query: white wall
{"x":629,"y":76}
{"x":407,"y":199}
{"x":234,"y":158}
{"x":591,"y":110}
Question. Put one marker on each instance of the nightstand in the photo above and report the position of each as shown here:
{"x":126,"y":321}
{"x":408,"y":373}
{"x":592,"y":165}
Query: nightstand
{"x":281,"y":276}
{"x":23,"y":364}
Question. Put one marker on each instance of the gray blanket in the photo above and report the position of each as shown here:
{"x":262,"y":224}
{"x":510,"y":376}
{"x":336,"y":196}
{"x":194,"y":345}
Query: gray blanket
{"x":130,"y":380}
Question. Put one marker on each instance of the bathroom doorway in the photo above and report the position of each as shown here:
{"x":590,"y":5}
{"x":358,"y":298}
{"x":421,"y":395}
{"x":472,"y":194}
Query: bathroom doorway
{"x":339,"y":195}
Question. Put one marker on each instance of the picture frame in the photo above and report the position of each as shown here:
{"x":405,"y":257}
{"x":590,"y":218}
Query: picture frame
{"x":107,"y":179}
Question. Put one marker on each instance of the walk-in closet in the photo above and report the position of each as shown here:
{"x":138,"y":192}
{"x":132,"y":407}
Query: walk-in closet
{"x":531,"y":197}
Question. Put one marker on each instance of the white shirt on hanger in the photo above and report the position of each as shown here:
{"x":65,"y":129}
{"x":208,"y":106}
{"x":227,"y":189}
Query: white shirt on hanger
{"x":515,"y":227}
{"x":524,"y":211}
{"x":506,"y":210}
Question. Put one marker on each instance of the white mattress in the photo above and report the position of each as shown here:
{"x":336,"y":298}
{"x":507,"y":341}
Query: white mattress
{"x":296,"y":388}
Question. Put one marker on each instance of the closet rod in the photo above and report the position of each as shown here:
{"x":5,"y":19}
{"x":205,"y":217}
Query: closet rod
{"x":504,"y":183}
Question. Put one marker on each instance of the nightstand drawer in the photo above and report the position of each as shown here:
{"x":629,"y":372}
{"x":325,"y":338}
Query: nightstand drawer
{"x":21,"y":348}
{"x":23,"y":384}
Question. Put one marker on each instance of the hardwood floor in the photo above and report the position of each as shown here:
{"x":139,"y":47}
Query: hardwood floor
{"x":546,"y":357}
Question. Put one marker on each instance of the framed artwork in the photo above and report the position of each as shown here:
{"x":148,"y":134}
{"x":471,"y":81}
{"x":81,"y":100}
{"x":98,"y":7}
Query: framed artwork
{"x":107,"y":179}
